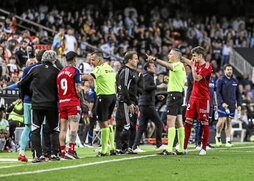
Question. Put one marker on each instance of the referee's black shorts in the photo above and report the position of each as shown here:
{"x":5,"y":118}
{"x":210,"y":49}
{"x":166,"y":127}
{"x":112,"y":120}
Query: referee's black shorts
{"x":104,"y":106}
{"x":174,"y":103}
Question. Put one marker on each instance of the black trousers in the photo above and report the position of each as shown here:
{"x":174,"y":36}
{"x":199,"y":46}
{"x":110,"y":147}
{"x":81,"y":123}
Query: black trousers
{"x":148,"y":113}
{"x":50,"y":131}
{"x":50,"y":141}
{"x":12,"y":127}
{"x":125,"y":127}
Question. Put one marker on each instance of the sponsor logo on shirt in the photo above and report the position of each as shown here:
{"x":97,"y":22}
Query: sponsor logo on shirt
{"x":109,"y":71}
{"x":202,"y":111}
{"x":64,"y":100}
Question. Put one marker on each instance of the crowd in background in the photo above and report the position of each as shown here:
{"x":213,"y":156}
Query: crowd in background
{"x":152,"y":32}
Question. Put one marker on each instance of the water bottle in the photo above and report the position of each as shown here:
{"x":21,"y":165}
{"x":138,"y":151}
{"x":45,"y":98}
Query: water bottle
{"x":216,"y":115}
{"x":238,"y":114}
{"x":227,"y":110}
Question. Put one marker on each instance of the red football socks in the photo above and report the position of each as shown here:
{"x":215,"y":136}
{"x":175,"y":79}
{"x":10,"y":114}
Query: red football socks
{"x":62,"y":149}
{"x":187,"y":131}
{"x":72,"y":147}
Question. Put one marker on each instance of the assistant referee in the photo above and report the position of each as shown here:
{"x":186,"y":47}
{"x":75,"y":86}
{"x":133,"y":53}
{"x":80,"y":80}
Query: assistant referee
{"x":177,"y":78}
{"x":105,"y":87}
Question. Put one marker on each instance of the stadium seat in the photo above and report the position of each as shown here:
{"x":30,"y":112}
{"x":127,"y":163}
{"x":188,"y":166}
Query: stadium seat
{"x":43,"y":47}
{"x":18,"y":132}
{"x":237,"y":131}
{"x":97,"y":135}
{"x":176,"y":34}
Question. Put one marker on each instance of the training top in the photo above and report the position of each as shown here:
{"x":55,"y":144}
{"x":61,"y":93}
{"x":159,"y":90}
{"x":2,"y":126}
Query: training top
{"x":43,"y":82}
{"x":228,"y":92}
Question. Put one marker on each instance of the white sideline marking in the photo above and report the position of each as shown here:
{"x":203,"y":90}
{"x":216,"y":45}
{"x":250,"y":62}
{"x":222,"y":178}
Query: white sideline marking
{"x":11,"y":160}
{"x":12,"y":166}
{"x":101,"y":162}
{"x":4,"y":162}
{"x":235,"y":151}
{"x":75,"y":166}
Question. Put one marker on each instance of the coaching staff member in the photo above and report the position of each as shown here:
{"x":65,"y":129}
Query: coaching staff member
{"x":148,"y":112}
{"x":126,"y":115}
{"x":44,"y":101}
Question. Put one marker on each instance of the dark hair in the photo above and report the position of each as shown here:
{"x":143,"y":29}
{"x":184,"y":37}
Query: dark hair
{"x":147,"y":65}
{"x":128,"y":56}
{"x":227,"y":65}
{"x":98,"y":53}
{"x":2,"y":108}
{"x":199,"y":50}
{"x":39,"y":55}
{"x":12,"y":57}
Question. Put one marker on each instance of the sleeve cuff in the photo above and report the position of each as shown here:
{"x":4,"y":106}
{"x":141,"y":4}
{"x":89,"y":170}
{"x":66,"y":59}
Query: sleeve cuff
{"x":93,"y":75}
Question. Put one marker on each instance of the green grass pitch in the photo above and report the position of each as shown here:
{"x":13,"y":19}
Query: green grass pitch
{"x":236,"y":163}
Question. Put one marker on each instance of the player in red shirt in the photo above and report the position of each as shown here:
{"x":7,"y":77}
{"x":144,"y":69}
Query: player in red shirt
{"x":198,"y":105}
{"x":68,"y":83}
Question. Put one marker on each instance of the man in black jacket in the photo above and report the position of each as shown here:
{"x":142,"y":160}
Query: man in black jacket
{"x":126,"y":115}
{"x":147,"y":108}
{"x":44,"y":103}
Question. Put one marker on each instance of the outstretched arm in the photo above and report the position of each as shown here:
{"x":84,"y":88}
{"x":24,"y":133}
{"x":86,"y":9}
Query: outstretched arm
{"x":163,"y":63}
{"x":87,"y":77}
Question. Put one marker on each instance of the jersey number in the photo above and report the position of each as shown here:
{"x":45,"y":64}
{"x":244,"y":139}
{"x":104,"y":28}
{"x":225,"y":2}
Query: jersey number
{"x":64,"y":85}
{"x":188,"y":107}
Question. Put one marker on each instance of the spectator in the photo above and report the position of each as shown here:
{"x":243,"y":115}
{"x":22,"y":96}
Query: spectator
{"x":3,"y":44}
{"x":3,"y":82}
{"x":248,"y":102}
{"x":85,"y":66}
{"x":12,"y":66}
{"x":4,"y":129}
{"x":13,"y":79}
{"x":116,"y":66}
{"x":226,"y":51}
{"x":15,"y":117}
{"x":70,"y":41}
{"x":59,"y":41}
{"x":22,"y":53}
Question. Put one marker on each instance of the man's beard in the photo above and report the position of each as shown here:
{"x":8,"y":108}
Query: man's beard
{"x":228,"y":75}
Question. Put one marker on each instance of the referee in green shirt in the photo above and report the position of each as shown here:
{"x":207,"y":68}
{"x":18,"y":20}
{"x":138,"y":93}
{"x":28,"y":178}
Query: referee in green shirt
{"x":177,"y":78}
{"x":105,"y":86}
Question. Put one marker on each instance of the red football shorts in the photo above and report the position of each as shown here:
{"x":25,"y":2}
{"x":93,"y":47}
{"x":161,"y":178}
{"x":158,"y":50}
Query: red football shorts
{"x":198,"y":109}
{"x":66,"y":111}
